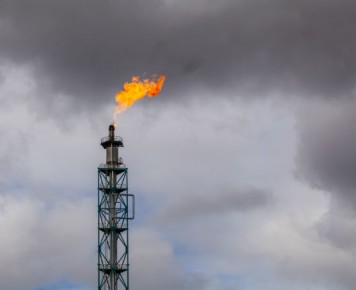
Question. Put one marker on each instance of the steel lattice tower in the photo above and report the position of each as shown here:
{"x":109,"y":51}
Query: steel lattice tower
{"x":115,"y":205}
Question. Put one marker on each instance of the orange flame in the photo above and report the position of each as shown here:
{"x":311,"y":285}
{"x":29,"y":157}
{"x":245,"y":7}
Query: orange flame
{"x":137,"y":89}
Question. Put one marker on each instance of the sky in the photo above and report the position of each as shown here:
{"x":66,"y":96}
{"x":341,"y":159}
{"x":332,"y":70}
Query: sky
{"x":243,"y":167}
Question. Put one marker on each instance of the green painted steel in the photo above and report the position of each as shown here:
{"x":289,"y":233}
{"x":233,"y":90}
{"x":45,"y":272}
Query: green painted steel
{"x":114,"y":212}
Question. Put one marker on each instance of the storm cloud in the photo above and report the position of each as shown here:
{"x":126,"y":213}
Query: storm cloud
{"x":85,"y":50}
{"x":190,"y":205}
{"x":327,"y":152}
{"x":243,"y":168}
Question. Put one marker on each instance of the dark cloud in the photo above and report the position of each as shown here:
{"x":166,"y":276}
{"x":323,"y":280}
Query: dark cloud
{"x":187,"y":206}
{"x":87,"y":49}
{"x":327,"y":153}
{"x":2,"y":78}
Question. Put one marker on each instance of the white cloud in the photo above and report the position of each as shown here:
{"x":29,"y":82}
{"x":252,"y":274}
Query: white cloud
{"x":44,"y":244}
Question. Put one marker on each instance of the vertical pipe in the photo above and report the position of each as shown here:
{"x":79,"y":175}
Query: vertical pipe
{"x":113,"y":200}
{"x":112,"y":218}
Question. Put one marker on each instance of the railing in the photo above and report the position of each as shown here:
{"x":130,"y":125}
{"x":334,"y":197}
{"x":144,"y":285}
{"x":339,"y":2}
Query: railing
{"x":108,"y":138}
{"x":108,"y":166}
{"x":121,"y":186}
{"x":115,"y":225}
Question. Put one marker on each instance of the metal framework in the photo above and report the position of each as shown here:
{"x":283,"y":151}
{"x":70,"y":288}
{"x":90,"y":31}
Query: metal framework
{"x":115,"y":209}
